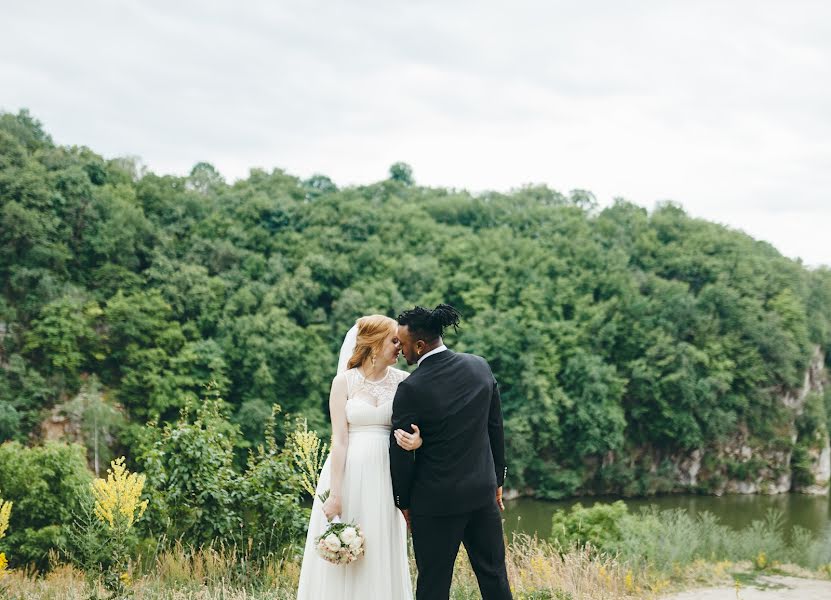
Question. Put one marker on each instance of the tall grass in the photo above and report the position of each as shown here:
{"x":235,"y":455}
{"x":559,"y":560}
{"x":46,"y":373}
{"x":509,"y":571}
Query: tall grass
{"x":663,"y":539}
{"x":652,"y":552}
{"x":536,"y":571}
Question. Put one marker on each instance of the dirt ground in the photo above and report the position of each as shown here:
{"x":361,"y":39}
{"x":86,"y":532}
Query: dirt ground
{"x":774,"y":587}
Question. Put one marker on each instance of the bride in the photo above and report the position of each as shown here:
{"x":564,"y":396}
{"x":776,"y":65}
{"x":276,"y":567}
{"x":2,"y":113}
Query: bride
{"x":357,"y":472}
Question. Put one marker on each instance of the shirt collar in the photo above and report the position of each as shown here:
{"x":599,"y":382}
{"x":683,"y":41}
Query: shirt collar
{"x":441,"y":348}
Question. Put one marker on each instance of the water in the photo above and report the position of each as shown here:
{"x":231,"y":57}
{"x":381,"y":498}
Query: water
{"x":530,"y":516}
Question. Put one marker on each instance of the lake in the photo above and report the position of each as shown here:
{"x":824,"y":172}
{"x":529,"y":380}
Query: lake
{"x":530,"y":516}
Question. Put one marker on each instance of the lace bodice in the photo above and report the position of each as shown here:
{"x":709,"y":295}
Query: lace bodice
{"x":369,"y":403}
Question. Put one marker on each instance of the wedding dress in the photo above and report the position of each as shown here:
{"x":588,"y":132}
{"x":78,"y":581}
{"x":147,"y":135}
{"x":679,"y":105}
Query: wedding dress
{"x":366,"y":498}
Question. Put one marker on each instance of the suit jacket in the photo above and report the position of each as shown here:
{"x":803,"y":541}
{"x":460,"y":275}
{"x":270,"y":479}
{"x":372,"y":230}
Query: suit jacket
{"x":454,"y":400}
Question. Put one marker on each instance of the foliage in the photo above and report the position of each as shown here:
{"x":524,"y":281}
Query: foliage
{"x":191,"y":479}
{"x":199,"y":496}
{"x":812,"y":434}
{"x":273,"y":517}
{"x":598,"y":526}
{"x":664,"y":539}
{"x":47,"y":485}
{"x":615,"y":332}
{"x":96,"y":419}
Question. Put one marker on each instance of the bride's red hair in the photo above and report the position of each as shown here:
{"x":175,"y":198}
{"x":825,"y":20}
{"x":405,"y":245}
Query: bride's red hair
{"x":372,"y":331}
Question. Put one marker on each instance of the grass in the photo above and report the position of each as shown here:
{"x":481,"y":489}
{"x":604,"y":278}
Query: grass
{"x":536,"y":570}
{"x":662,"y":552}
{"x":662,"y":541}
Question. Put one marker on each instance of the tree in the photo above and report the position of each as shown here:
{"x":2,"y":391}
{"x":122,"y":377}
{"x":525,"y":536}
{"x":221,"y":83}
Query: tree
{"x":615,"y":333}
{"x":402,"y":173}
{"x":204,"y":178}
{"x":97,"y":421}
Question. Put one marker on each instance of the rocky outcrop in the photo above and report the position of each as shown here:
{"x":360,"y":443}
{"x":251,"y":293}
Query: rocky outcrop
{"x":819,"y":445}
{"x":821,"y":459}
{"x":746,"y":464}
{"x":735,"y":468}
{"x":765,"y":468}
{"x":688,"y":468}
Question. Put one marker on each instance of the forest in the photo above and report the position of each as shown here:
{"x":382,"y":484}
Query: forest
{"x":621,"y":337}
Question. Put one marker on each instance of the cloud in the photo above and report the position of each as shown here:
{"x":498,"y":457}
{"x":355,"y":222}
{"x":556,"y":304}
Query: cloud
{"x":720,"y":106}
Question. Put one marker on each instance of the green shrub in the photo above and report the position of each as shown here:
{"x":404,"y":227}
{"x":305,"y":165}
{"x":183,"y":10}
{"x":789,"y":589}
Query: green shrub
{"x":598,"y":526}
{"x":273,"y":517}
{"x":191,"y":481}
{"x":199,"y":497}
{"x":47,"y":485}
{"x":745,"y":470}
{"x":801,"y":467}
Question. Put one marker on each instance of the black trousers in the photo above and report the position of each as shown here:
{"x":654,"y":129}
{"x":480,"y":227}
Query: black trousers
{"x":436,"y":543}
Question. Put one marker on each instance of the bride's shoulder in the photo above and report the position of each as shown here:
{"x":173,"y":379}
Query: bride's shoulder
{"x":399,"y":374}
{"x":344,"y":376}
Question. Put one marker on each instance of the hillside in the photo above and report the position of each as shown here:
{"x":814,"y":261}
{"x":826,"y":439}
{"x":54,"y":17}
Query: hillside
{"x":637,"y":352}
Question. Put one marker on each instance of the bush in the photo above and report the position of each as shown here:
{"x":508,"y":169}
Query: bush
{"x":273,"y":518}
{"x":198,"y":496}
{"x":191,"y":480}
{"x":598,"y":526}
{"x":47,"y":484}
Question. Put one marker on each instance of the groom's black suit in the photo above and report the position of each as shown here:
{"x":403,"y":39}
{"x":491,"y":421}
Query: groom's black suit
{"x":449,"y":484}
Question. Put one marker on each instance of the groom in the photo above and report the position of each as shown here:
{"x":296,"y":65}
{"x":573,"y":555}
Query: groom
{"x":450,"y":490}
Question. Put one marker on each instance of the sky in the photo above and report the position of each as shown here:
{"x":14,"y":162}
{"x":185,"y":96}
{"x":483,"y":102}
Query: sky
{"x":723,"y":107}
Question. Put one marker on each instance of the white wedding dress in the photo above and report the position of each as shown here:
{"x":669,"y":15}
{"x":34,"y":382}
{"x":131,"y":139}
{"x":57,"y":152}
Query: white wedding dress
{"x":382,"y":573}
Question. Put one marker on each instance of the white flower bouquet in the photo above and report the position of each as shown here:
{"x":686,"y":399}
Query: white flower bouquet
{"x":341,"y":543}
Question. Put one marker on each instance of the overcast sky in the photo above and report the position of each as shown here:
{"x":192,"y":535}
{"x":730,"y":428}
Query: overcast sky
{"x":724,"y":107}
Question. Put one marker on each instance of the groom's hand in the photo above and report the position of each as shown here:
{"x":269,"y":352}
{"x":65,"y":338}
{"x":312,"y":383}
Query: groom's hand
{"x":499,"y":502}
{"x":406,"y":513}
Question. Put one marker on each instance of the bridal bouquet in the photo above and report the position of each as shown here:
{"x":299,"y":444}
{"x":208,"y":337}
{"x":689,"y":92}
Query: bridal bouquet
{"x":341,"y":543}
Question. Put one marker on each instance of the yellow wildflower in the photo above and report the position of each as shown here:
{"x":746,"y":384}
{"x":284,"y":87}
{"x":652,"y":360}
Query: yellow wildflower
{"x":118,"y":497}
{"x":628,"y":581}
{"x":659,"y":586}
{"x":125,"y":578}
{"x":538,"y":566}
{"x":761,"y":560}
{"x":5,"y":513}
{"x":3,"y":564}
{"x":308,"y":456}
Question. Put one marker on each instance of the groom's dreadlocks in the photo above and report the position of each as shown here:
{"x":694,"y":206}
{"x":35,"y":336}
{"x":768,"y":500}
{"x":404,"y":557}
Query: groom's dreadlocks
{"x":429,"y":325}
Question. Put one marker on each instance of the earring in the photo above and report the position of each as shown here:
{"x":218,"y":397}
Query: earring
{"x":373,"y":360}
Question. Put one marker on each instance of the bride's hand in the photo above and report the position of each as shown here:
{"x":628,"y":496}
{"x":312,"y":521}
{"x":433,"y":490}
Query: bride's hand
{"x":331,"y":507}
{"x":409,"y":441}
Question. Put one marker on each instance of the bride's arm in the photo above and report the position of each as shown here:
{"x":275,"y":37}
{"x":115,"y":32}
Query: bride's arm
{"x":340,"y":443}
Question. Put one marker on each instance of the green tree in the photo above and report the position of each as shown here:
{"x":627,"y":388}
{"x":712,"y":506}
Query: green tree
{"x":402,"y":172}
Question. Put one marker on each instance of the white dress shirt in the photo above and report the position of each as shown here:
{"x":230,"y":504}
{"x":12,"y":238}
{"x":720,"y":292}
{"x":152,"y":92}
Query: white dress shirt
{"x":441,"y":348}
